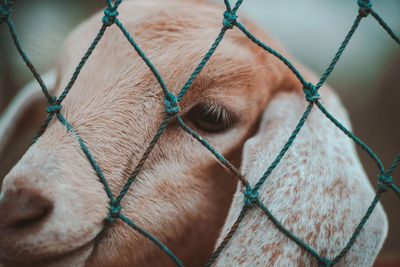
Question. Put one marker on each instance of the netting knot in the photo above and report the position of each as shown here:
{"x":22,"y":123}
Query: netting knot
{"x":365,"y":7}
{"x":171,"y":104}
{"x":311,"y":92}
{"x":110,"y":14}
{"x":229,"y":19}
{"x":250,"y":197}
{"x":385,"y":180}
{"x":53,"y":107}
{"x":5,"y":11}
{"x":113,"y":213}
{"x":324,"y":262}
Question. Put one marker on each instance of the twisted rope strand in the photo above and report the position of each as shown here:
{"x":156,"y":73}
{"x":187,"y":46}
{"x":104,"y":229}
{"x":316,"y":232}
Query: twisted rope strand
{"x":385,"y":27}
{"x":82,"y":63}
{"x":272,"y":52}
{"x":358,"y":228}
{"x":287,"y":232}
{"x":153,"y":239}
{"x":143,"y":56}
{"x":285,"y":147}
{"x":88,"y":155}
{"x":227,"y":238}
{"x":207,"y":145}
{"x":141,"y":162}
{"x":352,"y":136}
{"x":26,"y":59}
{"x":339,"y":53}
{"x":171,"y":107}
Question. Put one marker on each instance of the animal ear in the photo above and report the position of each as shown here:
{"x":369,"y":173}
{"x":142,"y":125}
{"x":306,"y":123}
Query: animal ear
{"x":25,"y":109}
{"x":318,"y":191}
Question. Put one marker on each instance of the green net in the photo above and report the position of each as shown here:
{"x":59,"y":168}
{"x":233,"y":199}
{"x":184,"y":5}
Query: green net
{"x":171,"y":105}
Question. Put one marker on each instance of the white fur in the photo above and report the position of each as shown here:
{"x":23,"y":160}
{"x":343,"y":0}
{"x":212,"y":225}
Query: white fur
{"x":182,"y":194}
{"x":319,"y":191}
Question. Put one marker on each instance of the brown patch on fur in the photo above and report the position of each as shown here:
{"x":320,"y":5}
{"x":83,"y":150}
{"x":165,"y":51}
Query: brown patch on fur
{"x":255,"y":226}
{"x":274,"y":250}
{"x":241,"y":261}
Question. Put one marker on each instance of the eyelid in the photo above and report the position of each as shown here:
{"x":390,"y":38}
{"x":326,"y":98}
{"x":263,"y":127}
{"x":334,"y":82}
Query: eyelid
{"x":228,"y":117}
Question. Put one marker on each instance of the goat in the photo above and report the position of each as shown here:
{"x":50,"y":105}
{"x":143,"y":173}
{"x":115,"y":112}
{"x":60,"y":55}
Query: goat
{"x":245,"y":102}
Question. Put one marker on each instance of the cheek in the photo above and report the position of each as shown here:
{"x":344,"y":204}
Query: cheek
{"x":176,"y":200}
{"x":181,"y":182}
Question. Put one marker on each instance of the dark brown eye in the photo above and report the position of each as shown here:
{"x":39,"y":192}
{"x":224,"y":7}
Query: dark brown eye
{"x":211,"y":118}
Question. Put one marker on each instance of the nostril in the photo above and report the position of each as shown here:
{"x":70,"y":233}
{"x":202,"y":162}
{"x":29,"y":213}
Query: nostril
{"x":23,"y":208}
{"x":27,"y":213}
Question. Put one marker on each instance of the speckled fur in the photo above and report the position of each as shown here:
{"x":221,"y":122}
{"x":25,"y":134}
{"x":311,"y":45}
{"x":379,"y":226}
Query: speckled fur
{"x":319,"y":191}
{"x":182,"y":195}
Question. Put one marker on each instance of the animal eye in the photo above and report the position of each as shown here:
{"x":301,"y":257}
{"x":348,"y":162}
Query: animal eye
{"x":211,"y":118}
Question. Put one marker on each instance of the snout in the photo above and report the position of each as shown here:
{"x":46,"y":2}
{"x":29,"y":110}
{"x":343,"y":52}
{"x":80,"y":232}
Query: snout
{"x":47,"y":211}
{"x":23,"y":211}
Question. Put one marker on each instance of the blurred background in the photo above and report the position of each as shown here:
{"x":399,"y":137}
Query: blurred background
{"x":367,"y":77}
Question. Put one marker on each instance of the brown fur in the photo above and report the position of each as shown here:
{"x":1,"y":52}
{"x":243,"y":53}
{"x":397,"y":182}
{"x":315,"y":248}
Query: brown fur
{"x":182,"y":195}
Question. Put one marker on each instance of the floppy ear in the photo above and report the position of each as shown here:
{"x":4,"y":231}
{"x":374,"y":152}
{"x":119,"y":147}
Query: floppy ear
{"x":24,"y":108}
{"x":319,"y":191}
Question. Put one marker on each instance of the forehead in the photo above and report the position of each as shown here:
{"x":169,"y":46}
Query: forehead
{"x":175,"y":36}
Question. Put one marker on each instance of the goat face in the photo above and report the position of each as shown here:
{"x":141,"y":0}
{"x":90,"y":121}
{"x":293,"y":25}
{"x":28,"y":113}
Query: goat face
{"x":53,"y":205}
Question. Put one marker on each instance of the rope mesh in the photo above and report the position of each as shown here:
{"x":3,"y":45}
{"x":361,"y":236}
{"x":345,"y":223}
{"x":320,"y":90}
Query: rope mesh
{"x":171,"y":104}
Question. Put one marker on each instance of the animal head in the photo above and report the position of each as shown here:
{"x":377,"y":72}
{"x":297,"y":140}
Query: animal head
{"x":52,"y":205}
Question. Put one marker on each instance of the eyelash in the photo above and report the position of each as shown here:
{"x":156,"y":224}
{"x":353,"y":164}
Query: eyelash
{"x":211,"y":118}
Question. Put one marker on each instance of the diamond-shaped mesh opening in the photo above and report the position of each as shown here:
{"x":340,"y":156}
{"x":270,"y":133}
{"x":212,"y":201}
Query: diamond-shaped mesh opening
{"x":171,"y":108}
